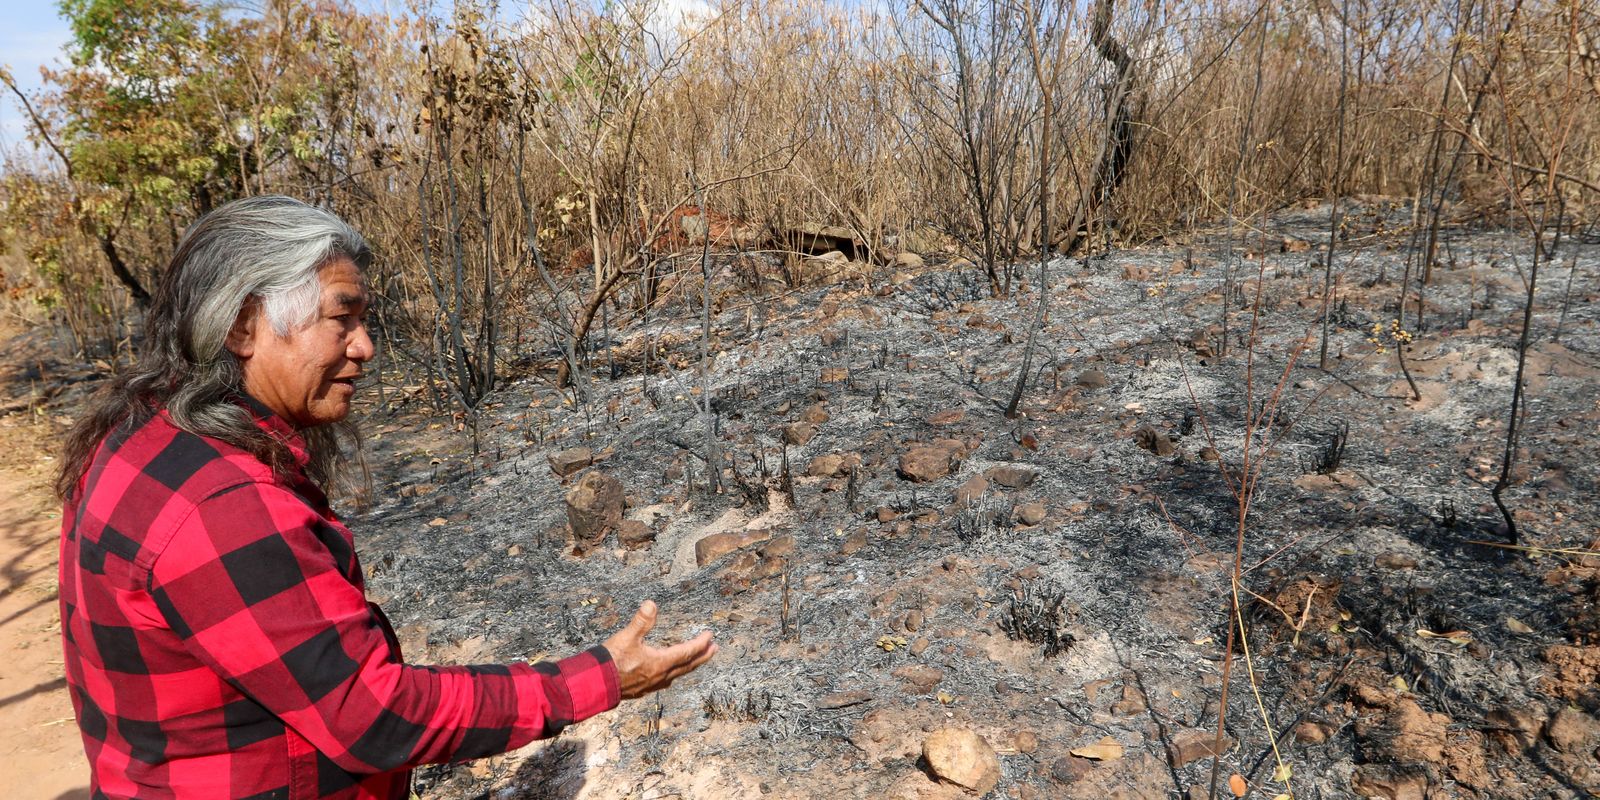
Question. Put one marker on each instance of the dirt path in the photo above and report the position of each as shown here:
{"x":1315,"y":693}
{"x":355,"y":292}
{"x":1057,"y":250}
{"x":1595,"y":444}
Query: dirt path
{"x":38,"y":741}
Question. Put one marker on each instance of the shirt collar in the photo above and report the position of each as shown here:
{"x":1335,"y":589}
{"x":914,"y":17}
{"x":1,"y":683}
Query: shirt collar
{"x":278,"y":428}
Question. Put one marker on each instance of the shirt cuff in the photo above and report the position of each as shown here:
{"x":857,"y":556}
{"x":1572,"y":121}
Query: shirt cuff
{"x":574,"y":689}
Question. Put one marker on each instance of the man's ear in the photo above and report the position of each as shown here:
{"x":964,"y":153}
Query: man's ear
{"x":241,"y":341}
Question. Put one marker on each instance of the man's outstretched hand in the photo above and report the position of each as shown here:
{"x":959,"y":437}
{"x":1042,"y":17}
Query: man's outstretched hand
{"x":642,"y":669}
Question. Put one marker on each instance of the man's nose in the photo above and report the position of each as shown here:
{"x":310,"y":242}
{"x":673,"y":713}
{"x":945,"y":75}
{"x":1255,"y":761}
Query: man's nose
{"x":360,"y":347}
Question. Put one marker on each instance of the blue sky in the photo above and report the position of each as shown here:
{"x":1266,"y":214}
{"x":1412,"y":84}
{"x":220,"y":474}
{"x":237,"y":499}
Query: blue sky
{"x":31,"y":35}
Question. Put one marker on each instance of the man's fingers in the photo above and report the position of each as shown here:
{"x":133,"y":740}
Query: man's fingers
{"x":680,"y":670}
{"x":643,"y":620}
{"x":686,"y":655}
{"x":684,"y":652}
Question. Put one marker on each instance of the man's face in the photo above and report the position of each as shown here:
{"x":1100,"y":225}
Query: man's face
{"x":308,"y":377}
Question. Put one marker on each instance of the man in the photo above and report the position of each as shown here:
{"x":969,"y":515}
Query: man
{"x":218,"y":640}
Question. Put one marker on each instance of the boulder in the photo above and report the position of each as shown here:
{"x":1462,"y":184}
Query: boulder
{"x":973,"y":489}
{"x":1093,"y":379}
{"x":714,"y":546}
{"x":908,"y":260}
{"x":1031,"y":513}
{"x":634,"y":534}
{"x":1195,"y":744}
{"x":923,"y":463}
{"x":832,"y":465}
{"x":594,"y":508}
{"x":1013,"y":476}
{"x":1155,"y":441}
{"x":1572,"y":731}
{"x":919,"y":678}
{"x":798,"y":433}
{"x":816,"y":414}
{"x":567,"y":462}
{"x":961,"y":757}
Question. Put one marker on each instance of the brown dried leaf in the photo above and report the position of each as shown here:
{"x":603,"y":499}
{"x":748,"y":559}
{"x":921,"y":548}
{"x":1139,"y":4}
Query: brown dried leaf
{"x":1107,"y":749}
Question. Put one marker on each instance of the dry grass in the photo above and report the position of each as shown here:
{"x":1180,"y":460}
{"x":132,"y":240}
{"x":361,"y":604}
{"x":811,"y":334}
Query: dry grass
{"x":542,"y":152}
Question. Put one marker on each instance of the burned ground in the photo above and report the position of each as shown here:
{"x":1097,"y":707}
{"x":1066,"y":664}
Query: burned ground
{"x":1392,"y":655}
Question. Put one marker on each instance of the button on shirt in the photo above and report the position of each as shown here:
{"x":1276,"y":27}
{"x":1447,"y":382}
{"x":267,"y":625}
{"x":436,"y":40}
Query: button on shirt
{"x":219,"y":642}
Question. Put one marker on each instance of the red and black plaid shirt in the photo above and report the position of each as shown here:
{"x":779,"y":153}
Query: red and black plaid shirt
{"x":219,"y":643}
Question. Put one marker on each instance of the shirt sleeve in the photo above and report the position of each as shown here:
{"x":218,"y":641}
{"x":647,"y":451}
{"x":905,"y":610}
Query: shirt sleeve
{"x":255,"y":584}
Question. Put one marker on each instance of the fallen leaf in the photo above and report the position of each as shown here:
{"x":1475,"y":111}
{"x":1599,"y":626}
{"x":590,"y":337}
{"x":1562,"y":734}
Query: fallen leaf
{"x":1400,"y":684}
{"x":1453,"y":637}
{"x":945,"y":698}
{"x":1237,"y":785}
{"x":1282,"y":773}
{"x":1107,"y":749}
{"x":1517,"y":626}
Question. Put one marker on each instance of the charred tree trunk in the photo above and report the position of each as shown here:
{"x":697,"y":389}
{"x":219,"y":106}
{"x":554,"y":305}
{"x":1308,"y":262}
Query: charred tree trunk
{"x":1116,"y":148}
{"x":119,"y":268}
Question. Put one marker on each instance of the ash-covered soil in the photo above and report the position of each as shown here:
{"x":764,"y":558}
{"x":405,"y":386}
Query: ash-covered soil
{"x":1392,"y":656}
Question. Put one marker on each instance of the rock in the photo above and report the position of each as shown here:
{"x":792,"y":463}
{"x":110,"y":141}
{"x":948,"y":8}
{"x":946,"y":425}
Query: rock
{"x":1572,"y":731}
{"x":1395,"y":561}
{"x":1574,"y":670}
{"x":973,"y":489}
{"x":798,"y":433}
{"x":1194,"y":744}
{"x":1375,"y":696}
{"x":885,"y":514}
{"x":908,"y":260}
{"x":853,"y":543}
{"x":1390,"y":781}
{"x":1132,"y":701}
{"x":1291,"y":244}
{"x":947,"y":417}
{"x":913,"y":620}
{"x":1013,"y":476}
{"x":712,"y":547}
{"x":1031,"y":513}
{"x":832,"y":465}
{"x":919,"y":678}
{"x":634,"y":534}
{"x":923,"y":463}
{"x":1405,"y":734}
{"x":816,"y":414}
{"x":1209,"y":453}
{"x":1311,"y":733}
{"x":594,"y":508}
{"x":780,"y":547}
{"x":1092,"y":379}
{"x":1518,"y":727}
{"x":962,"y":757}
{"x":1025,"y":741}
{"x":566,"y":462}
{"x":1153,"y":440}
{"x":1069,"y":770}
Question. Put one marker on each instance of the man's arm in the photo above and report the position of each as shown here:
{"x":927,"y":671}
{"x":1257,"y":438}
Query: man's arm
{"x":253,"y":584}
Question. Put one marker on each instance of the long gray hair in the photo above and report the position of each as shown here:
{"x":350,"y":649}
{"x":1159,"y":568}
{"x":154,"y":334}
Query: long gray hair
{"x":270,"y":248}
